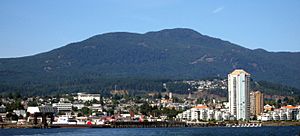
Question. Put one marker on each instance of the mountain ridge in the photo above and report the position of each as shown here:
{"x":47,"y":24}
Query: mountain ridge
{"x":178,"y":53}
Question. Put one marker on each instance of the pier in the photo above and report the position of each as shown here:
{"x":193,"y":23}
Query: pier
{"x":147,"y":124}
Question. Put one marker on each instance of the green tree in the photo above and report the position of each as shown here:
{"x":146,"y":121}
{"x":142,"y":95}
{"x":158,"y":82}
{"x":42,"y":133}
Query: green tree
{"x":94,"y":101}
{"x":79,"y":114}
{"x":74,"y":108}
{"x":177,"y":100}
{"x":170,"y":113}
{"x":16,"y":105}
{"x":166,"y":96}
{"x":145,"y":109}
{"x":88,"y":103}
{"x":291,"y":102}
{"x":110,"y":112}
{"x":86,"y":111}
{"x":32,"y":103}
{"x":199,"y":101}
{"x":285,"y":99}
{"x":101,"y":101}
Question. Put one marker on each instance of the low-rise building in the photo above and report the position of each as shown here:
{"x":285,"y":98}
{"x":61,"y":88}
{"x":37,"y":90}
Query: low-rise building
{"x":268,"y":107}
{"x":63,"y":107}
{"x":78,"y":105}
{"x":203,"y":113}
{"x":96,"y":107}
{"x":87,"y":97}
{"x":288,"y":112}
{"x":20,"y":112}
{"x":40,"y":114}
{"x":265,"y":117}
{"x":2,"y":113}
{"x":2,"y":109}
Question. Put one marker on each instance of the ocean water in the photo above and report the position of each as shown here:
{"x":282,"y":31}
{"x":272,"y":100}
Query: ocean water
{"x":212,"y":131}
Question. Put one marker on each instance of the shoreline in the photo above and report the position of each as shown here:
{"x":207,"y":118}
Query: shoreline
{"x":147,"y":125}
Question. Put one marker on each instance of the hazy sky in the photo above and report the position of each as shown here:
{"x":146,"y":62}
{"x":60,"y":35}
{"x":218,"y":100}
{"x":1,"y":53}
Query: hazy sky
{"x":28,"y":27}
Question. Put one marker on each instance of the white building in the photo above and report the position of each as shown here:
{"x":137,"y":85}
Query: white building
{"x":96,"y":107}
{"x":194,"y":114}
{"x":238,"y":93}
{"x":288,"y":112}
{"x":218,"y":115}
{"x":199,"y":112}
{"x":2,"y":109}
{"x":66,"y":107}
{"x":275,"y":116}
{"x":88,"y":97}
{"x":20,"y":112}
{"x":265,"y":117}
{"x":79,"y":106}
{"x":203,"y":113}
{"x":40,"y":109}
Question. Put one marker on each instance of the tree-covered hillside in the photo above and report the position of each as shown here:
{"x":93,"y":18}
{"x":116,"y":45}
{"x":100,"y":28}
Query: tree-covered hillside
{"x":171,"y":54}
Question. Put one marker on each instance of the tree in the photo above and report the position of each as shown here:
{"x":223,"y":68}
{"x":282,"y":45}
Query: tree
{"x":86,"y":111}
{"x":278,"y":104}
{"x":177,"y":100}
{"x":79,"y":114}
{"x":88,"y":103}
{"x":291,"y":101}
{"x":10,"y":95}
{"x":101,"y":101}
{"x":94,"y":101}
{"x":9,"y":115}
{"x":166,"y":96}
{"x":74,"y":108}
{"x":199,"y":101}
{"x":110,"y":112}
{"x":145,"y":109}
{"x":16,"y":105}
{"x":170,"y":113}
{"x":70,"y":98}
{"x":16,"y":95}
{"x":32,"y":103}
{"x":285,"y":99}
{"x":159,"y":95}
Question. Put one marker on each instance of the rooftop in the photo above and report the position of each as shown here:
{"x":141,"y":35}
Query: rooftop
{"x":288,"y":107}
{"x":201,"y":107}
{"x":239,"y":71}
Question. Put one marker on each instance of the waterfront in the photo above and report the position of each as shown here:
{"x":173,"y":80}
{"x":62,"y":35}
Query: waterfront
{"x":211,"y":131}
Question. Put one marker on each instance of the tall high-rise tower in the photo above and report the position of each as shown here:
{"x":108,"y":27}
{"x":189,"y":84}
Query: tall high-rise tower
{"x":238,"y":93}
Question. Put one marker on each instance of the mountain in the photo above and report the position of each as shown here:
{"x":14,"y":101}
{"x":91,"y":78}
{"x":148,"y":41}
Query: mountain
{"x":167,"y":54}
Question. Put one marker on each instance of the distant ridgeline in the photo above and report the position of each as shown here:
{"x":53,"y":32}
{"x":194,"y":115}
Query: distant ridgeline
{"x":142,"y":62}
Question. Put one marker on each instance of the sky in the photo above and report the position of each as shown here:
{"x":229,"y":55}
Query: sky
{"x":29,"y":27}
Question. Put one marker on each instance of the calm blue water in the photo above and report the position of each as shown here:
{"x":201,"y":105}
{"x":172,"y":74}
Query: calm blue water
{"x":216,"y":131}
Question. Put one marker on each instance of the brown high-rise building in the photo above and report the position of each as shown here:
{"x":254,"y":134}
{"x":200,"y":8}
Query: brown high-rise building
{"x":256,"y":103}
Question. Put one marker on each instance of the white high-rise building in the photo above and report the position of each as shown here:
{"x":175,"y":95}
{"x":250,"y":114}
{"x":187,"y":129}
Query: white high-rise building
{"x":238,"y":93}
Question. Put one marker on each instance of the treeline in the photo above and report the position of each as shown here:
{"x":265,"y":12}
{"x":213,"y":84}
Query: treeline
{"x":275,"y":89}
{"x":103,"y":86}
{"x":135,"y":86}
